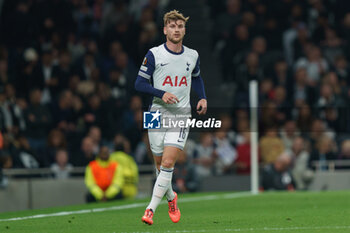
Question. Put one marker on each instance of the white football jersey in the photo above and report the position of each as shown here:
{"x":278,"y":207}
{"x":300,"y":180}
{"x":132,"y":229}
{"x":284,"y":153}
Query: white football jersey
{"x":171,"y":72}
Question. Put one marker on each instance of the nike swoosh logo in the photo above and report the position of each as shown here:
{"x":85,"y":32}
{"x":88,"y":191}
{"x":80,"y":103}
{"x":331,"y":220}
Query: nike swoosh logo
{"x":163,"y":64}
{"x":179,"y":140}
{"x":162,"y":186}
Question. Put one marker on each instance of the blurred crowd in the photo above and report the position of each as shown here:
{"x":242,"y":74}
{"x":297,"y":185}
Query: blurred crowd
{"x":67,"y":71}
{"x":299,"y":53}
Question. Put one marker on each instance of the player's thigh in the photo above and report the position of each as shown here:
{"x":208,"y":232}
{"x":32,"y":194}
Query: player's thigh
{"x":156,"y":141}
{"x":174,"y":143}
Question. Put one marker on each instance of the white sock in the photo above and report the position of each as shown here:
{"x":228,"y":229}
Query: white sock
{"x":169,"y":193}
{"x":160,"y":187}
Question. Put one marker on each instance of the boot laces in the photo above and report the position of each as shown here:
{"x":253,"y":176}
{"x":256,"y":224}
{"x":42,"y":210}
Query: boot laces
{"x":172,"y":206}
{"x":149,"y":213}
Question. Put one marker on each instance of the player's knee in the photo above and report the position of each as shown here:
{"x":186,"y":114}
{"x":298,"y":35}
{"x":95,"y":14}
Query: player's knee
{"x":168,"y":163}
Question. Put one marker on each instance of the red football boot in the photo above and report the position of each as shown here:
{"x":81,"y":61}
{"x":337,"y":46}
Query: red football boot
{"x":174,"y":212}
{"x":148,"y":217}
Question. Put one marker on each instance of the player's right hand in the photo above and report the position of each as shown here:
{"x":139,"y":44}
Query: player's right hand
{"x":169,"y":98}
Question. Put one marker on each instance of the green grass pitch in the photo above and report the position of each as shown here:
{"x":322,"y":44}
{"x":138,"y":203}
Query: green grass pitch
{"x":310,"y":212}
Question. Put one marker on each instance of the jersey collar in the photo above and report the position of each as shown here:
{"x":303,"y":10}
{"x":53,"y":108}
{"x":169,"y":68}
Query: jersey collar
{"x":167,"y":49}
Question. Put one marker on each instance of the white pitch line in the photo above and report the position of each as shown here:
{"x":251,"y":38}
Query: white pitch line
{"x":251,"y":229}
{"x":129,"y":206}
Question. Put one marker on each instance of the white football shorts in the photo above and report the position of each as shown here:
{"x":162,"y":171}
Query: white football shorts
{"x":168,"y":135}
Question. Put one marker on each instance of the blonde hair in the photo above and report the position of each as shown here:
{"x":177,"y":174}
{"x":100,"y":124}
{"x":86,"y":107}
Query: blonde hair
{"x":174,"y":15}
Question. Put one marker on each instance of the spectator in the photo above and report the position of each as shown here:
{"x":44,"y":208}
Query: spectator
{"x":104,"y":178}
{"x":16,"y":108}
{"x":342,"y":70}
{"x":55,"y":141}
{"x":304,"y":119}
{"x":281,"y":74}
{"x":318,"y":129}
{"x":4,"y":73}
{"x":314,"y":64}
{"x":270,"y":116}
{"x":282,"y":105}
{"x":143,"y":153}
{"x":301,"y":92}
{"x":86,"y":153}
{"x":260,"y":48}
{"x":227,"y":20}
{"x":242,"y":126}
{"x":127,"y":68}
{"x":265,"y":90}
{"x":239,"y":40}
{"x":61,"y":168}
{"x":226,"y":126}
{"x":328,"y":97}
{"x":43,"y":79}
{"x":118,"y":84}
{"x":272,"y":30}
{"x":331,"y":78}
{"x":345,"y":150}
{"x":38,"y":121}
{"x":77,"y":114}
{"x":300,"y":156}
{"x":271,"y":146}
{"x":288,"y":133}
{"x":185,"y":178}
{"x":242,"y":163}
{"x":323,"y":152}
{"x":250,"y":70}
{"x":318,"y":33}
{"x":63,"y":71}
{"x":225,"y":154}
{"x":116,"y":11}
{"x":5,"y":114}
{"x":95,"y":134}
{"x":86,"y":68}
{"x":203,"y":155}
{"x":63,"y":113}
{"x":24,"y":156}
{"x":93,"y":113}
{"x":130,"y":171}
{"x":276,"y":176}
{"x":148,"y":38}
{"x":133,"y":122}
{"x":332,"y":46}
{"x":301,"y":42}
{"x":346,"y":27}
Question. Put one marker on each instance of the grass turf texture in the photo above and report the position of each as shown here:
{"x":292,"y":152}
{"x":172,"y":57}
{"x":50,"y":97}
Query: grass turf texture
{"x":324,"y":212}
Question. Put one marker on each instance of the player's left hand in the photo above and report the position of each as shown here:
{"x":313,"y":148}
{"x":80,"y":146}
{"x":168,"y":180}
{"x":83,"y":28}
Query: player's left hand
{"x":202,"y":107}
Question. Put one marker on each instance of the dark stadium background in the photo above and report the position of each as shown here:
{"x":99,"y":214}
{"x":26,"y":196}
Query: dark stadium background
{"x":67,"y":72}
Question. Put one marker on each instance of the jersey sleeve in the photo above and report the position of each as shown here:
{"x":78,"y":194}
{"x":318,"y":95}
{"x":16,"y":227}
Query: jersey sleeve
{"x":143,"y":80}
{"x":148,"y":66}
{"x":197,"y":81}
{"x":196,"y":71}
